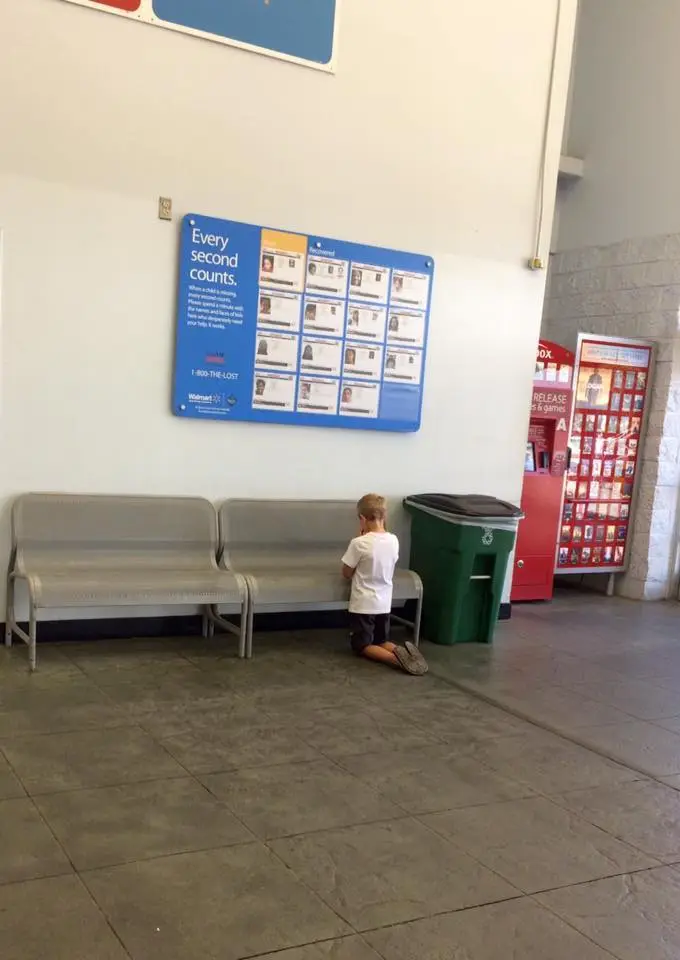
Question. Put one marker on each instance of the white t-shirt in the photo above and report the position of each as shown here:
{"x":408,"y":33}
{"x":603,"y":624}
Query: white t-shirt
{"x":373,"y":557}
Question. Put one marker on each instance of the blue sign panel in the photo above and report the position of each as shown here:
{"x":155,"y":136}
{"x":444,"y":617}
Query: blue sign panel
{"x":280,"y":327}
{"x":295,"y":28}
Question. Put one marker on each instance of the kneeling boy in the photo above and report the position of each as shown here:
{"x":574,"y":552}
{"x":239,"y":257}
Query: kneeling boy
{"x":369,"y":563}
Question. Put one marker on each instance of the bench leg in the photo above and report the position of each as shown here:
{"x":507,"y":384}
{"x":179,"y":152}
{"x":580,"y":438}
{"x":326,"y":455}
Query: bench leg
{"x":33,"y":638}
{"x":243,"y":629}
{"x":250,"y":619}
{"x":9,"y":612}
{"x":205,"y":621}
{"x":416,"y":622}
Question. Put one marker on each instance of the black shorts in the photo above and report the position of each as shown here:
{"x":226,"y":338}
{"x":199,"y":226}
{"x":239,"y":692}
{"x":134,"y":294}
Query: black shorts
{"x":366,"y":630}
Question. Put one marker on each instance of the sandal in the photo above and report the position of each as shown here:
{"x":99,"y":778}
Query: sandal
{"x":417,"y":655}
{"x":415,"y":666}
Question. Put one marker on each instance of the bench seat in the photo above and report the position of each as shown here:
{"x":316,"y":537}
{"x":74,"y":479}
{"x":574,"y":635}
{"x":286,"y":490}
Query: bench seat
{"x":110,"y":586}
{"x":289,"y":552}
{"x":79,"y":552}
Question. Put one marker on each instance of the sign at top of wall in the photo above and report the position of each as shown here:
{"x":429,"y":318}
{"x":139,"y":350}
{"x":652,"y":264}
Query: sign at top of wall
{"x":302,"y":31}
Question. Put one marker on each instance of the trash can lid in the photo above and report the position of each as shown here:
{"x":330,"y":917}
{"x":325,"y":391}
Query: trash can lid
{"x":473,"y":505}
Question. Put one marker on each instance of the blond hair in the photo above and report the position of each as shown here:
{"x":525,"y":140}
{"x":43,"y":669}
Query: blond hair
{"x":372,"y":507}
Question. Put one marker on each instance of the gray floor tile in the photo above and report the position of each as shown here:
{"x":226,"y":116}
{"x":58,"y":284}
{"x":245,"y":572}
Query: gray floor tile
{"x":146,"y":649}
{"x":386,"y":687}
{"x":423,"y":692}
{"x":349,"y":948}
{"x":631,"y":916}
{"x":55,"y":919}
{"x":45,"y":719}
{"x":285,"y":680}
{"x":193,"y":684}
{"x":460,"y":725}
{"x":434,"y":778}
{"x":561,"y":708}
{"x":671,"y":723}
{"x":111,"y":664}
{"x":644,"y":746}
{"x":92,"y":758}
{"x":343,"y":733}
{"x":229,"y":903}
{"x":536,"y":845}
{"x":582,"y":664}
{"x":566,"y":671}
{"x":138,"y":821}
{"x":38,"y":692}
{"x":666,"y":676}
{"x":303,"y":708}
{"x":639,"y":698}
{"x":550,"y":764}
{"x":9,"y":785}
{"x":55,"y":665}
{"x":76,"y":705}
{"x":637,"y":664}
{"x":287,"y":799}
{"x":164,"y":720}
{"x":645,"y":814}
{"x":253,"y":745}
{"x":386,"y":873}
{"x":519,"y":930}
{"x":28,"y":849}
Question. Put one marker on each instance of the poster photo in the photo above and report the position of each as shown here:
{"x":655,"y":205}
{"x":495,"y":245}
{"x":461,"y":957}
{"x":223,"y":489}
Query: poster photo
{"x":406,"y":327}
{"x":365,"y":322}
{"x":363,"y":361}
{"x":593,"y":388}
{"x":318,"y":396}
{"x":321,"y":356}
{"x":283,"y":259}
{"x":276,"y":351}
{"x":403,"y":365}
{"x":359,"y":399}
{"x":274,"y":391}
{"x":279,"y":310}
{"x":326,"y":276}
{"x":324,"y":317}
{"x":410,"y":290}
{"x":369,"y":283}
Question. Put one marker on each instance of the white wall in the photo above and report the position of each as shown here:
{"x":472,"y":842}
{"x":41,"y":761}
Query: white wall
{"x":624,"y":122}
{"x":428,"y":138}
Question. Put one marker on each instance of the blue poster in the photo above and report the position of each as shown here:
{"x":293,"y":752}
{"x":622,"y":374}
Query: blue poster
{"x":295,"y":28}
{"x":280,"y":327}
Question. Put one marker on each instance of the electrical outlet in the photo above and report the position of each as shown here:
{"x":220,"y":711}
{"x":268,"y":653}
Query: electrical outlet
{"x":164,"y":208}
{"x":536,"y":263}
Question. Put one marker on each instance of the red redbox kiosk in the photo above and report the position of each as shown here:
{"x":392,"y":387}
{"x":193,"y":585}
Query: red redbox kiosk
{"x":545,"y":465}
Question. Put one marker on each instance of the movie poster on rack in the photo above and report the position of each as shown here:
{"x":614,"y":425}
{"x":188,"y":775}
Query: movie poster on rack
{"x":613,"y":388}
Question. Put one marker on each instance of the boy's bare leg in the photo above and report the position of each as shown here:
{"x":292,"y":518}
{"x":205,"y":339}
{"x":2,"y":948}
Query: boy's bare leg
{"x":382,"y":654}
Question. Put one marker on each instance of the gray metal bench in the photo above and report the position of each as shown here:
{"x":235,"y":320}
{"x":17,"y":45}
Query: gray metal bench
{"x":76,"y":552}
{"x":289,"y":553}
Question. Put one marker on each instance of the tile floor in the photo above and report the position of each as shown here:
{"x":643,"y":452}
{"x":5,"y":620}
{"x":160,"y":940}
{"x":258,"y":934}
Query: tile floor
{"x":164,"y":801}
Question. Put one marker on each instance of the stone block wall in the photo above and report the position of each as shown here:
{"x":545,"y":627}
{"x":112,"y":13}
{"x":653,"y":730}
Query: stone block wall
{"x":632,"y":289}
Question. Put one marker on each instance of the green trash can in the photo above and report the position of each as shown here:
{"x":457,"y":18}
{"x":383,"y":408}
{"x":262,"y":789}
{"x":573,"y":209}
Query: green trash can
{"x":460,"y":546}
